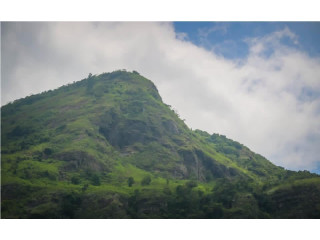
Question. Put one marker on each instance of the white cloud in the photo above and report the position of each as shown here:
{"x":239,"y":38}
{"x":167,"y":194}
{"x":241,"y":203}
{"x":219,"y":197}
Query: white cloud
{"x":260,"y":45}
{"x":182,"y":36}
{"x":216,"y":27}
{"x":261,"y":102}
{"x":203,"y":34}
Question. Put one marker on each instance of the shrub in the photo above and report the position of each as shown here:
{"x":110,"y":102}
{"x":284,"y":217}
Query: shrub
{"x":191,"y":184}
{"x":75,"y":180}
{"x":85,"y":187}
{"x":95,"y":179}
{"x":146,"y":181}
{"x":130,"y":181}
{"x":47,"y":151}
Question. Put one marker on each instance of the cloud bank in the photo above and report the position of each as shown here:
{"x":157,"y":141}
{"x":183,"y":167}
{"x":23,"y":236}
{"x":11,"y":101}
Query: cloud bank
{"x":269,"y":101}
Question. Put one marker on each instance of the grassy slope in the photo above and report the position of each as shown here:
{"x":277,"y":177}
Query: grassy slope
{"x":69,"y":153}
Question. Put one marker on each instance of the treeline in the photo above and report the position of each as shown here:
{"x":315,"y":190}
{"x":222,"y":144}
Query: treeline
{"x":227,"y":200}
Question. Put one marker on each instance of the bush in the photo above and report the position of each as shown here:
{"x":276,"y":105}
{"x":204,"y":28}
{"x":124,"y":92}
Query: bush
{"x":75,"y":180}
{"x":191,"y":184}
{"x":95,"y":179}
{"x":47,"y":151}
{"x":146,"y":181}
{"x":85,"y":187}
{"x":130,"y":181}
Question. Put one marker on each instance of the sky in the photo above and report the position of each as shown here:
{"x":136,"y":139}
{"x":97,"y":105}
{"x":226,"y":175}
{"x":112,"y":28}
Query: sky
{"x":256,"y":82}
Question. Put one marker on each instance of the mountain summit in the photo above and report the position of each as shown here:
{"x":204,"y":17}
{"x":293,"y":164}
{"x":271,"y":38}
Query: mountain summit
{"x":108,"y":147}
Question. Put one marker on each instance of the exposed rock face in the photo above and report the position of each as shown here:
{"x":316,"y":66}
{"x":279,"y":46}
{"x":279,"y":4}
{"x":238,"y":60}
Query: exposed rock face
{"x":202,"y":167}
{"x":128,"y":133}
{"x":79,"y":160}
{"x":171,"y":127}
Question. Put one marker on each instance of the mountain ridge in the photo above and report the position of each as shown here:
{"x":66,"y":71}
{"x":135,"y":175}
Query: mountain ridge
{"x":89,"y":138}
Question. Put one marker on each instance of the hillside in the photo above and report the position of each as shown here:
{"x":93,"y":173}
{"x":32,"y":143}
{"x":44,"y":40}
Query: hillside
{"x":108,"y":147}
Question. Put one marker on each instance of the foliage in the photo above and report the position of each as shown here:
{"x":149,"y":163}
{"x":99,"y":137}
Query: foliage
{"x":146,"y":181}
{"x":95,"y":179}
{"x":75,"y":180}
{"x":130,"y":181}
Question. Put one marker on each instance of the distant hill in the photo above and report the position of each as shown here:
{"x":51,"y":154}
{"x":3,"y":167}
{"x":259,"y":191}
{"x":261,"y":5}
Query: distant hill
{"x":108,"y":147}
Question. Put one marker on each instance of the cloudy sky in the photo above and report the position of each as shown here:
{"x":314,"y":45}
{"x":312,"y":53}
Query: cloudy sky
{"x":256,"y":83}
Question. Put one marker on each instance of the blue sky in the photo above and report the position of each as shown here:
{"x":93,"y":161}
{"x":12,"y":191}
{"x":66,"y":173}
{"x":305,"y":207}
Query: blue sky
{"x":256,"y":82}
{"x":229,"y":36}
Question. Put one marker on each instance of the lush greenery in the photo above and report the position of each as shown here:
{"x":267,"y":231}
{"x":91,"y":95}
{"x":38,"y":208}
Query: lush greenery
{"x":108,"y":147}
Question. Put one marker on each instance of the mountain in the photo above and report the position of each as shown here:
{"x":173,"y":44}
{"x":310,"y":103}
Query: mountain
{"x":108,"y":147}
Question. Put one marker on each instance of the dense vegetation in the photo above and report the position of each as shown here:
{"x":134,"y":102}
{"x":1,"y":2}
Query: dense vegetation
{"x":108,"y":147}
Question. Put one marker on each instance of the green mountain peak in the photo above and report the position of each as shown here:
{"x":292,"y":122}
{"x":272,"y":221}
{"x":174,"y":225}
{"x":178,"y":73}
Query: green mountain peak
{"x":108,"y":147}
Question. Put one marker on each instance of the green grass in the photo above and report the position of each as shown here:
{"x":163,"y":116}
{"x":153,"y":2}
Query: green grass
{"x":296,"y":183}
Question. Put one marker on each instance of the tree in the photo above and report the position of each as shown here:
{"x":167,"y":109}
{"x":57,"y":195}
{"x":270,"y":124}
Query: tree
{"x":191,"y":184}
{"x":75,"y":180}
{"x":95,"y":179}
{"x":146,"y":180}
{"x":85,"y":187}
{"x":90,"y":83}
{"x":130,"y":181}
{"x":47,"y":151}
